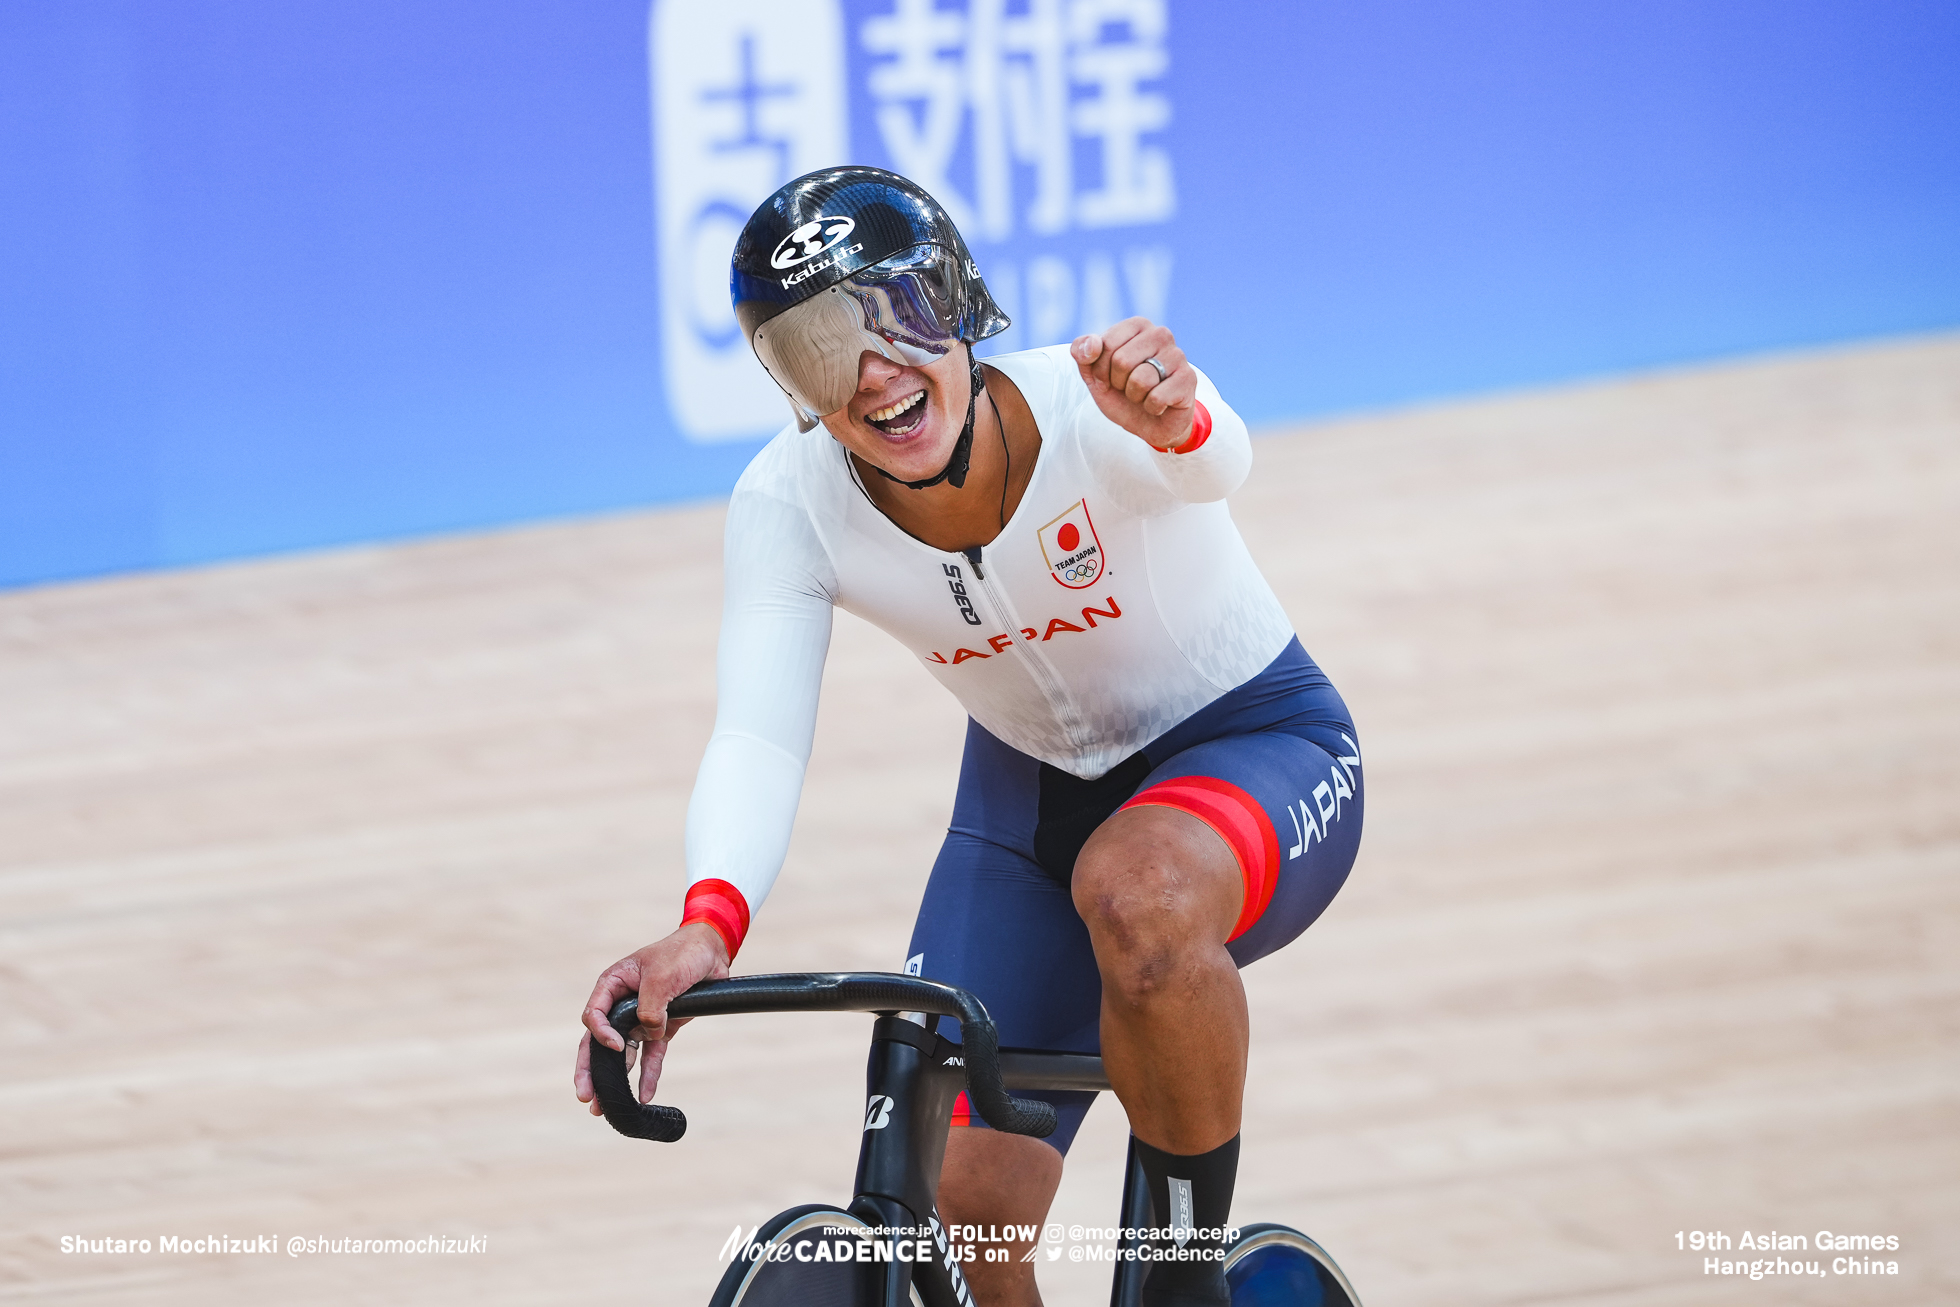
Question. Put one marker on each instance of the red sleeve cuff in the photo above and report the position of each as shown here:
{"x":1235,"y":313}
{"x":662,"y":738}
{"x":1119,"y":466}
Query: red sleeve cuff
{"x":721,"y":906}
{"x":1200,"y":429}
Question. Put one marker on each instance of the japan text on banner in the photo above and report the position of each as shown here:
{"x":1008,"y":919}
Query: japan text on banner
{"x":1041,"y":125}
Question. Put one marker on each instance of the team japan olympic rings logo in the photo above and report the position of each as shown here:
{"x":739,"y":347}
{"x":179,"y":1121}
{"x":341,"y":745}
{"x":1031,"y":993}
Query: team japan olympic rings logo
{"x":1070,"y":548}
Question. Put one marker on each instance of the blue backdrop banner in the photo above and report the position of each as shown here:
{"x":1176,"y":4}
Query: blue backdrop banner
{"x":279,"y":276}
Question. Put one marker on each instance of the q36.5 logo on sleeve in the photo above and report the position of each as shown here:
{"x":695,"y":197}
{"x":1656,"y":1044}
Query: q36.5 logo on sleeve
{"x":1071,"y":548}
{"x":810,"y":240}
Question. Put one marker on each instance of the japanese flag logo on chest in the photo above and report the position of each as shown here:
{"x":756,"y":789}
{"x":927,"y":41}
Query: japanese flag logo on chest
{"x":1071,"y":548}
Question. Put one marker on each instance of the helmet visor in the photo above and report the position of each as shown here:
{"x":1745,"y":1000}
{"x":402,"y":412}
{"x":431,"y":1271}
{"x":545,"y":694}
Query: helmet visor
{"x":906,"y":309}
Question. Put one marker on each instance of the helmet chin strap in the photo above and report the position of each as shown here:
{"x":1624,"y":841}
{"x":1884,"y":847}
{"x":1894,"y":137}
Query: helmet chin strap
{"x":955,"y":469}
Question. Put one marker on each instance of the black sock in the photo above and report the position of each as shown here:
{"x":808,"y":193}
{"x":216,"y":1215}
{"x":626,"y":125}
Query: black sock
{"x":1193,"y":1197}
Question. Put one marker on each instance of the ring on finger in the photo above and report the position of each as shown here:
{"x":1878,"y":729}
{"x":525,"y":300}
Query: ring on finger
{"x":1163,"y":373}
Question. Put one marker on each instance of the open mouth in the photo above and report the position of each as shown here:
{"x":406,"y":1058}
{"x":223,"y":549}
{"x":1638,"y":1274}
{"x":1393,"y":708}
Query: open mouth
{"x":901,"y":418}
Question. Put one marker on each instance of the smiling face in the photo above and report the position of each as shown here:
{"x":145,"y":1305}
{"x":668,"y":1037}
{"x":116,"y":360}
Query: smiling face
{"x":905,"y":419}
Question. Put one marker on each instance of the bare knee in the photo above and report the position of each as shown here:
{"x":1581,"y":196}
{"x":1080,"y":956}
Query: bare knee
{"x":1158,"y":890}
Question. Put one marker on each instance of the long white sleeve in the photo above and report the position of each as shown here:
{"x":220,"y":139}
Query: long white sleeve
{"x":775,"y":632}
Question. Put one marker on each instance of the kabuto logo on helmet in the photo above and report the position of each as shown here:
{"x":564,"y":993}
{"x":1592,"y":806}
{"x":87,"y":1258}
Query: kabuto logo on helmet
{"x":810,"y":240}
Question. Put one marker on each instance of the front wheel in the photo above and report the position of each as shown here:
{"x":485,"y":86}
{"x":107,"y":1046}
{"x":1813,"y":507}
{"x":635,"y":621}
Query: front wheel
{"x":826,"y":1274}
{"x":1276,"y":1266}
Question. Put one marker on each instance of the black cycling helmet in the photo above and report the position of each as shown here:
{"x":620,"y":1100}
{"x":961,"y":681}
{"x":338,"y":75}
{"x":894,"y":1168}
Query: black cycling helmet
{"x":849,"y":259}
{"x":844,"y":219}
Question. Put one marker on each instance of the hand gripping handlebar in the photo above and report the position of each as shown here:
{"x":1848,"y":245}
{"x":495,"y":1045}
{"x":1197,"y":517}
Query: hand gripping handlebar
{"x":821,"y":991}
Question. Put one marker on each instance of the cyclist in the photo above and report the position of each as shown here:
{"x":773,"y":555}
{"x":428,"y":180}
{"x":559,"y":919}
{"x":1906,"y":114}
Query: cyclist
{"x":1158,"y":787}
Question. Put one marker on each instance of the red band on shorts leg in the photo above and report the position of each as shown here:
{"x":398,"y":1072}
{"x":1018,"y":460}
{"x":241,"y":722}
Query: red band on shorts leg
{"x":720,"y":905}
{"x":1239,"y":821}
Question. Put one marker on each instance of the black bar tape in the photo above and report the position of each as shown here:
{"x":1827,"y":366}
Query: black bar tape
{"x":980,"y":1048}
{"x":624,"y":1112}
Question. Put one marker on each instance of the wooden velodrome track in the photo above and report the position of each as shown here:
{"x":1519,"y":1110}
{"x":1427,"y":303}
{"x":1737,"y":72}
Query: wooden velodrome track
{"x":305,"y":866}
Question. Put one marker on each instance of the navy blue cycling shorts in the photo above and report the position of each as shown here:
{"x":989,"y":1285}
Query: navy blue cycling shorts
{"x":1273,"y":766}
